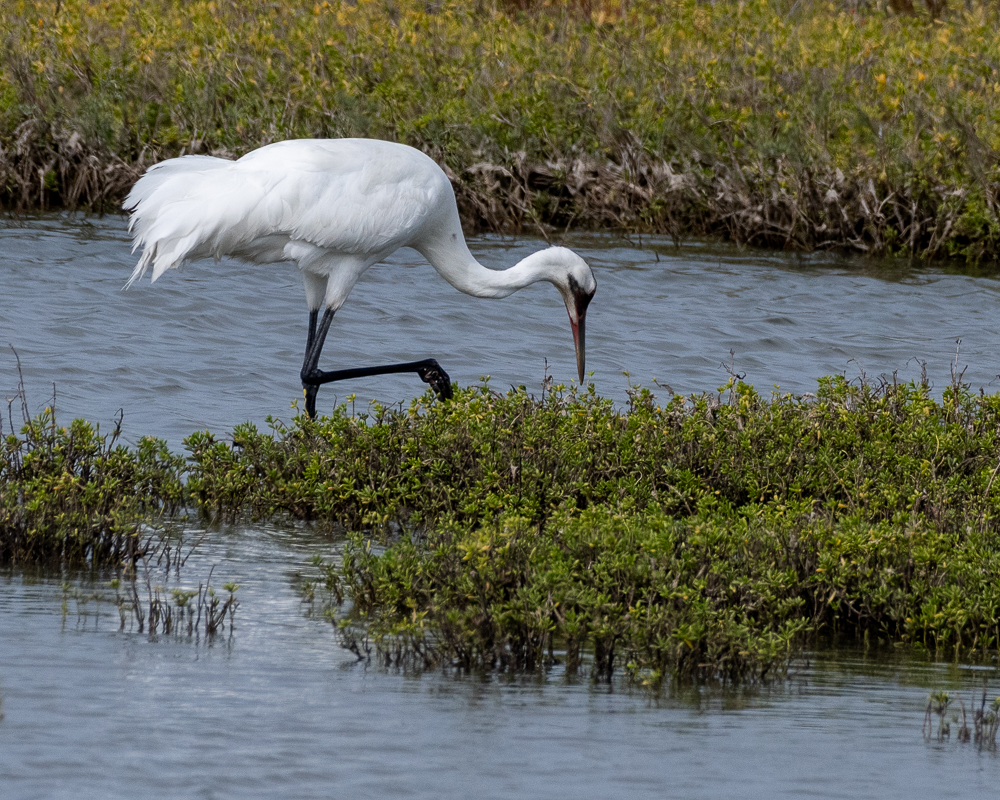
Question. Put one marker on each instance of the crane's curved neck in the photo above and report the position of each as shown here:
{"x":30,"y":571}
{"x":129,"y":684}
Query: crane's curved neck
{"x":450,"y":256}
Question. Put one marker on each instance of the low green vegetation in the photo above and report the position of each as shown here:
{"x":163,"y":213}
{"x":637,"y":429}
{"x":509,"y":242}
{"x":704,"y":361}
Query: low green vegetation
{"x":713,"y":595}
{"x":774,"y":122}
{"x":70,"y":495}
{"x":706,"y":537}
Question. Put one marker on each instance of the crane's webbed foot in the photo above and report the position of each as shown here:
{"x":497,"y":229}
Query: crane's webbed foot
{"x":432,"y":373}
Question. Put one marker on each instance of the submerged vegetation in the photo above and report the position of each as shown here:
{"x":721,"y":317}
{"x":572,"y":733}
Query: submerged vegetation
{"x":150,"y":598}
{"x":985,"y":719}
{"x":789,"y":124}
{"x":184,"y":611}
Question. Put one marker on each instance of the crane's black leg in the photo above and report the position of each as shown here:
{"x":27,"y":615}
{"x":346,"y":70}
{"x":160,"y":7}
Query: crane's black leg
{"x":313,"y":315}
{"x":309,"y":364}
{"x":428,"y":369}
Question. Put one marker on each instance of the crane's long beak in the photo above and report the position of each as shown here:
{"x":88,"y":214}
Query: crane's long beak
{"x":578,"y":319}
{"x":580,"y":341}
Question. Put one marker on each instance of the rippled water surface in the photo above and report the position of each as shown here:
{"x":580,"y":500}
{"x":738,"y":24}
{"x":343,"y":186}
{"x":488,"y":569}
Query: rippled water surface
{"x":278,"y":708}
{"x":212,"y":345}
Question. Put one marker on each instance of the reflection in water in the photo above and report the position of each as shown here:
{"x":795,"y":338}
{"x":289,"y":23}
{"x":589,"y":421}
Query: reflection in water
{"x":212,"y":345}
{"x":279,"y":707}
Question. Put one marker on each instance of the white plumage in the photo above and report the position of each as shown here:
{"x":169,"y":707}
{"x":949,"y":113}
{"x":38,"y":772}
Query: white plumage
{"x":334,"y":207}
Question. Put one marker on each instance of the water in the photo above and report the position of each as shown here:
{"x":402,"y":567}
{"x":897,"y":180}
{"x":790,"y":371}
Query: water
{"x":278,"y":708}
{"x":212,"y":345}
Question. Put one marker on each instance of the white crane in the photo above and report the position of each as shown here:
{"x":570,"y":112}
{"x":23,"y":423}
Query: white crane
{"x":334,"y":207}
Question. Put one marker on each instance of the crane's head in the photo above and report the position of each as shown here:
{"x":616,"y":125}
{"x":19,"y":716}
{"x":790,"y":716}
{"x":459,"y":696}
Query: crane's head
{"x":577,"y":288}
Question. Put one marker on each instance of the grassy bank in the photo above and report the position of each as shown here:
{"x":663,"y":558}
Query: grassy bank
{"x":709,"y":536}
{"x":795,"y":125}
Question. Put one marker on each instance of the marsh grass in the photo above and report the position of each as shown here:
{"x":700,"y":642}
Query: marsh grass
{"x":985,"y":719}
{"x":70,"y":495}
{"x":798,"y":125}
{"x":708,"y":536}
{"x":152,"y":596}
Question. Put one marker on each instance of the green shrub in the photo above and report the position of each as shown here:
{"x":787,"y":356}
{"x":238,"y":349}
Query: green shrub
{"x":708,"y":537}
{"x":69,"y":495}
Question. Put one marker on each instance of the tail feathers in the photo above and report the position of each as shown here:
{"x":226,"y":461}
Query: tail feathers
{"x":168,"y":208}
{"x":140,"y":268}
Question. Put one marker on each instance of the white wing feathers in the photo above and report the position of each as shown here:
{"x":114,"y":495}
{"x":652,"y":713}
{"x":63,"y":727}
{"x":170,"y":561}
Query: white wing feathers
{"x":348,"y":197}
